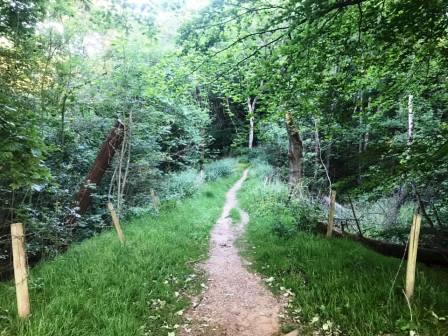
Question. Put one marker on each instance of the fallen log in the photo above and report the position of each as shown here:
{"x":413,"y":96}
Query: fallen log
{"x":102,"y":161}
{"x":425,"y":255}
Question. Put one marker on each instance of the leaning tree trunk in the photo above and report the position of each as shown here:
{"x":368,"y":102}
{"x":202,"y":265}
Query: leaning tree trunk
{"x":295,"y":151}
{"x":429,"y":256}
{"x":102,"y":161}
{"x":251,"y":103}
{"x":399,"y":199}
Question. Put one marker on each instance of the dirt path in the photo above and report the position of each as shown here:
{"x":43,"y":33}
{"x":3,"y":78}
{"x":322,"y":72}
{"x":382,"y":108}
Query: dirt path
{"x":235,"y":302}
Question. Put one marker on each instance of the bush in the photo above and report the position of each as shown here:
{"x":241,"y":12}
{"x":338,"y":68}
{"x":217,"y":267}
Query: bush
{"x":294,"y":213}
{"x":306,"y":211}
{"x":181,"y":184}
{"x":263,"y":170}
{"x":220,"y":168}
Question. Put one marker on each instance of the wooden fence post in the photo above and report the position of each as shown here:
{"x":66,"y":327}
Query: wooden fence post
{"x":331,"y":213}
{"x":20,"y":271}
{"x":412,"y":255}
{"x":116,"y":222}
{"x":155,"y":200}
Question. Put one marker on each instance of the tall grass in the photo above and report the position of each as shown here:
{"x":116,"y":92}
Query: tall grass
{"x":340,"y":287}
{"x":100,"y":288}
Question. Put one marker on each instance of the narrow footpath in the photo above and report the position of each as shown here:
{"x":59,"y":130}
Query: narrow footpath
{"x":235,"y":302}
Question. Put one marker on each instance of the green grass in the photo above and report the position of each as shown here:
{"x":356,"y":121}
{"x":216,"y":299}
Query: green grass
{"x":339,"y":280}
{"x":100,"y":288}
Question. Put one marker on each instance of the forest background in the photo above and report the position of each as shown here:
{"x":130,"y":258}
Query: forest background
{"x":349,"y":95}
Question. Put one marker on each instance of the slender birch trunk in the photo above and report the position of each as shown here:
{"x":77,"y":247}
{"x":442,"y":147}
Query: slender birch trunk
{"x":251,"y":104}
{"x":410,"y":119}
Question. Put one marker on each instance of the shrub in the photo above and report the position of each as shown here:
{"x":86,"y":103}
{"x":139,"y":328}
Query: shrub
{"x":181,"y":184}
{"x":293,"y":213}
{"x":306,"y":211}
{"x":263,"y":170}
{"x":220,"y":168}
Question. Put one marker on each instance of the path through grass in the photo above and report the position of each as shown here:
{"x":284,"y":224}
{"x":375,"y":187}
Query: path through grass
{"x":100,"y":288}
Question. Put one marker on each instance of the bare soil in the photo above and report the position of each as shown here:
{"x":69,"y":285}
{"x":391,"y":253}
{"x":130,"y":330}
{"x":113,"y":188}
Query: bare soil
{"x":235,"y":301}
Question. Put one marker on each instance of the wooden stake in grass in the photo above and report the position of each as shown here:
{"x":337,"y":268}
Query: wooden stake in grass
{"x":20,"y":272}
{"x":116,"y":222}
{"x":412,"y":255}
{"x":155,"y":200}
{"x":331,"y":213}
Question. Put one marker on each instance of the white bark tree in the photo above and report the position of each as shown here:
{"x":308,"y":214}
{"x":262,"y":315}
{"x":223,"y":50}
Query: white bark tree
{"x":410,"y":119}
{"x":251,"y":104}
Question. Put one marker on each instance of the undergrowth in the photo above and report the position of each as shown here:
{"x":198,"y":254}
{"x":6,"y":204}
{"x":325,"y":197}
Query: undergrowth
{"x":219,"y":168}
{"x":340,"y":287}
{"x":100,"y":288}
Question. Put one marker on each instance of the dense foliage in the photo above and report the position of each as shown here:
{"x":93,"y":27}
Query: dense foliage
{"x":357,"y":89}
{"x":69,"y":70}
{"x":363,"y":83}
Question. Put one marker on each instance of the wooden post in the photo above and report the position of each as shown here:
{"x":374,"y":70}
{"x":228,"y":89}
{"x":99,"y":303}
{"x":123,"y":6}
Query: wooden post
{"x":412,"y":255}
{"x":20,"y":271}
{"x":116,"y":222}
{"x":331,"y":213}
{"x":155,"y":200}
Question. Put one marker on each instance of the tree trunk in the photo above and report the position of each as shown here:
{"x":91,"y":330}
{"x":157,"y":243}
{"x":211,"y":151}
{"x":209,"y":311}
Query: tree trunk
{"x":251,"y":132}
{"x":366,"y":135}
{"x":422,"y":208}
{"x":99,"y":167}
{"x":202,"y":150}
{"x":399,"y":199}
{"x":436,"y":256}
{"x":436,"y":214}
{"x":328,"y":157}
{"x":317,"y":153}
{"x":295,"y":151}
{"x":358,"y":225}
{"x":63,"y":108}
{"x":361,"y":138}
{"x":251,"y":103}
{"x":410,"y":119}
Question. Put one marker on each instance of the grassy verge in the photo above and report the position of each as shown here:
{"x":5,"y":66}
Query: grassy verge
{"x":100,"y":288}
{"x":340,"y":287}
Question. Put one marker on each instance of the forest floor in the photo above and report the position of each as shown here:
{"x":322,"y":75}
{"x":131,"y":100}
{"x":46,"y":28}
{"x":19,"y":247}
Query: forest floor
{"x":235,"y":301}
